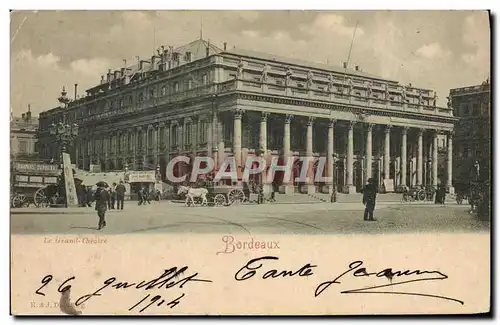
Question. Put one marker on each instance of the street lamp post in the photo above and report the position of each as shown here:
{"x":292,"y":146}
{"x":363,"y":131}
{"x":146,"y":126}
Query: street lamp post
{"x":64,"y":134}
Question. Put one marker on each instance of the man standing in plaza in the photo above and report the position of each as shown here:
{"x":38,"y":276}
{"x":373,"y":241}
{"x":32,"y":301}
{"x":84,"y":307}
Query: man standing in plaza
{"x":120,"y":195}
{"x":101,"y":204}
{"x":369,"y":198}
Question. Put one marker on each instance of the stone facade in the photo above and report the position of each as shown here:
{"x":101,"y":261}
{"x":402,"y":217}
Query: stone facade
{"x":472,"y":139}
{"x":242,"y":103}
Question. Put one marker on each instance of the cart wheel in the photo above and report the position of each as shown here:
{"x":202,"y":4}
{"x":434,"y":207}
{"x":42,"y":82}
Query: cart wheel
{"x":405,"y":197}
{"x":219,"y":200}
{"x":16,"y":202}
{"x":235,"y":195}
{"x":39,"y":198}
{"x":23,"y":200}
{"x":421,"y":195}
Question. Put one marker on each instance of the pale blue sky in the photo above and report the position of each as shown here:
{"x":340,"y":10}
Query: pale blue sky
{"x":431,"y":49}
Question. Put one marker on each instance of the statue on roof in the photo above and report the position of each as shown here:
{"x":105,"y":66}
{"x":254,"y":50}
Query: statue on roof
{"x":310,"y":77}
{"x":420,"y":97}
{"x":386,"y":89}
{"x":349,"y":85}
{"x":265,"y":70}
{"x":331,"y":81}
{"x":239,"y":72}
{"x":450,"y":102}
{"x":434,"y":99}
{"x":288,"y":76}
{"x":403,"y":93}
{"x":368,"y":89}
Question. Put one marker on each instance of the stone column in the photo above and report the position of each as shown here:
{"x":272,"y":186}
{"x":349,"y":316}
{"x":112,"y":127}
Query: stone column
{"x":263,"y":150}
{"x":369,"y":151}
{"x":210,"y":138}
{"x":194,"y":135}
{"x":404,"y":153}
{"x":435,"y":159}
{"x":311,"y":189}
{"x":449,"y":166}
{"x":237,"y":116}
{"x":387,"y":152}
{"x":349,"y":187}
{"x":420,"y":156}
{"x":221,"y":149}
{"x":287,"y":184}
{"x":330,"y":167}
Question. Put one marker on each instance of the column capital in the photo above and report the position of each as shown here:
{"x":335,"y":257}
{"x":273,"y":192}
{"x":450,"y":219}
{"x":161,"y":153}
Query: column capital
{"x":195,"y":118}
{"x":161,"y":124}
{"x":404,"y":130}
{"x":451,"y":133}
{"x":351,"y":125}
{"x":288,"y":118}
{"x":332,"y":122}
{"x":420,"y":131}
{"x":369,"y":127}
{"x":310,"y":120}
{"x":150,"y":126}
{"x":264,"y":116}
{"x":238,"y":113}
{"x":387,"y":128}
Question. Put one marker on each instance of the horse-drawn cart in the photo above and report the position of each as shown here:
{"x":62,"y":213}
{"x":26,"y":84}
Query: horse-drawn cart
{"x":216,"y":195}
{"x":419,"y":194}
{"x":34,"y":183}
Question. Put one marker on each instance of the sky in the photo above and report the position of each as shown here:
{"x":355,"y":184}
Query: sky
{"x":437,"y":50}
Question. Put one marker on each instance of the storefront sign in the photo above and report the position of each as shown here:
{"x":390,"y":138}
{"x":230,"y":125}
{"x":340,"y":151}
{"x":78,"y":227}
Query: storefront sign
{"x":142,"y":177}
{"x":35,"y":167}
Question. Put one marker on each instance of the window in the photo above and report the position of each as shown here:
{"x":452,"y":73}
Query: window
{"x":300,"y":85}
{"x":203,"y":132}
{"x":121,"y":103}
{"x":173,"y":136}
{"x":152,"y":93}
{"x":231,"y":76}
{"x":150,"y":138}
{"x":141,"y":97}
{"x":188,"y":57}
{"x":188,"y":133}
{"x":204,"y":79}
{"x":163,"y":90}
{"x":189,"y":84}
{"x":130,"y":100}
{"x":130,"y":142}
{"x":23,"y":146}
{"x":176,"y":86}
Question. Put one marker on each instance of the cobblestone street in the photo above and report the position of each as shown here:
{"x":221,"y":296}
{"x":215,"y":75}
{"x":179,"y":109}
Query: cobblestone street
{"x":319,"y":218}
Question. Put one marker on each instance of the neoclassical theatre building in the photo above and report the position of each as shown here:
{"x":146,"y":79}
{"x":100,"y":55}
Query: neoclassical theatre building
{"x":202,"y":100}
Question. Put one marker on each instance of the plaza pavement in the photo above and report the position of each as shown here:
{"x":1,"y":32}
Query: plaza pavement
{"x":318,"y":218}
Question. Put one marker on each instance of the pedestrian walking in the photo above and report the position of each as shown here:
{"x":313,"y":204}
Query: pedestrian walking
{"x":120,"y":195}
{"x":112,"y":197}
{"x":369,"y":199}
{"x":140,"y":196}
{"x":101,"y":204}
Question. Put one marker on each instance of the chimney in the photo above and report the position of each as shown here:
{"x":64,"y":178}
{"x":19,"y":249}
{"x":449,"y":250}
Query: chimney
{"x":225,"y":46}
{"x":188,"y":56}
{"x":28,"y":114}
{"x":23,"y":116}
{"x":345,"y":65}
{"x":108,"y":75}
{"x":357,"y":68}
{"x":122,"y":71}
{"x":102,"y":80}
{"x":207,"y":51}
{"x":117,"y":74}
{"x":153,"y":58}
{"x":76,"y":90}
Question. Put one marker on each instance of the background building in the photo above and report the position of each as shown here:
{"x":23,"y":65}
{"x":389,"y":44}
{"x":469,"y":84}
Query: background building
{"x":203,"y":100}
{"x":472,"y":138}
{"x":23,"y":137}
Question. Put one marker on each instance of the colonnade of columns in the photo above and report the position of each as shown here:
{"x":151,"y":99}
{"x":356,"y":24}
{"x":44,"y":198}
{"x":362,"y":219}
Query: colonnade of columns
{"x":349,"y":185}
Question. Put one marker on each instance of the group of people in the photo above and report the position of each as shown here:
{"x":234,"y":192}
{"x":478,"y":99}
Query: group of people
{"x":144,"y":196}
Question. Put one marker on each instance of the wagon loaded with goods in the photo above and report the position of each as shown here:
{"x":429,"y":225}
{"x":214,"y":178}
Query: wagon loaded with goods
{"x":34,"y":183}
{"x":221,"y":195}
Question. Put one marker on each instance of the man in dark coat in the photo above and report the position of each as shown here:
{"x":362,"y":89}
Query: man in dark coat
{"x":120,"y":195}
{"x":369,"y":199}
{"x":101,"y":205}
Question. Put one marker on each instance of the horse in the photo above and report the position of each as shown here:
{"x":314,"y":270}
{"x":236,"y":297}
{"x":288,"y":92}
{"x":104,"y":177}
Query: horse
{"x":191,"y":193}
